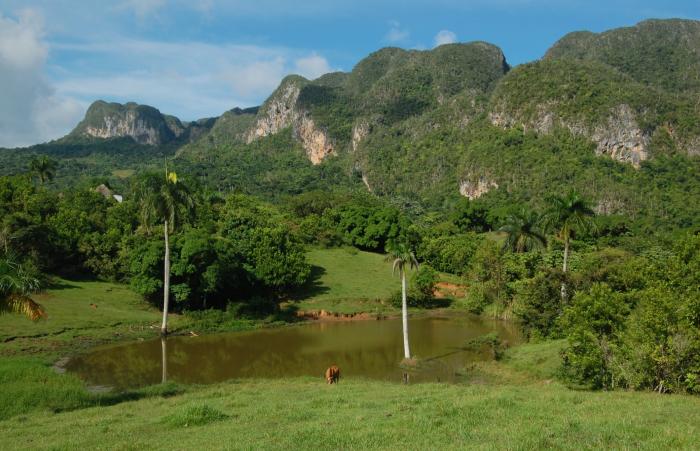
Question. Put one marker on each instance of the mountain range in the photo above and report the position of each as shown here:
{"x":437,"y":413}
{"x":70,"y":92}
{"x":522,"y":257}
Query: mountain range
{"x":614,"y":114}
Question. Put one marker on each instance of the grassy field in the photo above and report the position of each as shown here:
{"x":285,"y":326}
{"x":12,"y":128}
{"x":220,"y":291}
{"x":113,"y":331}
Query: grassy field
{"x":82,"y":314}
{"x":78,"y":312}
{"x":305,"y":413}
{"x":81,"y":305}
{"x":515,"y":403}
{"x":348,"y":281}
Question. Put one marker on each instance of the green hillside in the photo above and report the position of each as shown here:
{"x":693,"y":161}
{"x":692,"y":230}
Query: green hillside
{"x":660,"y":53}
{"x":603,"y":113}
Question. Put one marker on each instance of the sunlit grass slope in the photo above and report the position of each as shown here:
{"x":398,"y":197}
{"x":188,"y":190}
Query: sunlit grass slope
{"x":346,"y":280}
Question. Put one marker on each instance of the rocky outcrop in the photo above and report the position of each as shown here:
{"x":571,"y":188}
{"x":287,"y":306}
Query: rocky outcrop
{"x":314,"y":140}
{"x":693,"y":147}
{"x":129,"y":126}
{"x":609,"y":206}
{"x":359,"y":132}
{"x":365,"y":180}
{"x":143,"y":123}
{"x":475,"y":189}
{"x":281,"y":112}
{"x":619,"y":137}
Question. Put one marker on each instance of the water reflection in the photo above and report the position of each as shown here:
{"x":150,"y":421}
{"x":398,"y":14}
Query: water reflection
{"x":371,"y":349}
{"x":164,"y":359}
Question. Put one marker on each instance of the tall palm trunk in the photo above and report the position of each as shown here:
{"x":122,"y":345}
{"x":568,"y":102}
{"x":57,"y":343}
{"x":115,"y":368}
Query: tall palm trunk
{"x":404,"y":316}
{"x":166,"y":283}
{"x":566,"y":260}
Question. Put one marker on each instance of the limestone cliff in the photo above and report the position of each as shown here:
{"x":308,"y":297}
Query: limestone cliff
{"x":359,"y":132}
{"x":142,"y":123}
{"x":619,"y":137}
{"x":278,"y":113}
{"x":281,"y":111}
{"x":473,"y":187}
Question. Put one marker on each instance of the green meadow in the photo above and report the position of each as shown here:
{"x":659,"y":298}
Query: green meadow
{"x":514,"y":403}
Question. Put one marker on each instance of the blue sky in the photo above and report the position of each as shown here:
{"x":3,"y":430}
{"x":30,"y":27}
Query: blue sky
{"x":199,"y":58}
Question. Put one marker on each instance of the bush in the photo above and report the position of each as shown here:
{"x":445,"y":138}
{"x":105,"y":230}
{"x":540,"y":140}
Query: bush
{"x":592,"y":323}
{"x":489,"y":279}
{"x":537,"y":303}
{"x":424,"y":281}
{"x":478,"y":299}
{"x":491,"y":342}
{"x":449,"y":253}
{"x":661,"y":344}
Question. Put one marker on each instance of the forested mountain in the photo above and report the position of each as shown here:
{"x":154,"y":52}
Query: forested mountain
{"x":615,"y":115}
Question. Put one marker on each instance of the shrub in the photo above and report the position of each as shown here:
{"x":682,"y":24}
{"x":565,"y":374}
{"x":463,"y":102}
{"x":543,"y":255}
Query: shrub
{"x":592,"y":323}
{"x":537,"y":303}
{"x":490,"y":342}
{"x":424,"y":281}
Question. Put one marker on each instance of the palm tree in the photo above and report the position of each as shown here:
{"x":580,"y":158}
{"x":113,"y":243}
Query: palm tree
{"x":522,"y":231}
{"x":167,"y":200}
{"x":568,"y":215}
{"x":402,"y":256}
{"x":15,"y":286}
{"x":44,"y":168}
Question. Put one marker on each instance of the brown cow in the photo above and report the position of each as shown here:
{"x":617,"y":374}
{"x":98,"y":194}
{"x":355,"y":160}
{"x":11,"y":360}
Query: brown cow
{"x":332,"y":374}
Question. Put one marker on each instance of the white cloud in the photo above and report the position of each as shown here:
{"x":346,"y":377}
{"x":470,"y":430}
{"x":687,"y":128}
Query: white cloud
{"x":188,"y":79}
{"x":30,"y":110}
{"x":396,"y":33}
{"x":255,"y":79}
{"x":445,"y":37}
{"x":20,"y":40}
{"x":312,"y":66}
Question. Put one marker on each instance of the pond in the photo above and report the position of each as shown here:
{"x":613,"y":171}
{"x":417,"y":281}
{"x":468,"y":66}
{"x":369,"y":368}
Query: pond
{"x":371,"y":349}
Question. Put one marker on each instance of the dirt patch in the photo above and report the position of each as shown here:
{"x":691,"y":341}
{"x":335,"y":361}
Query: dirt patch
{"x":324,"y":315}
{"x":447,"y":289}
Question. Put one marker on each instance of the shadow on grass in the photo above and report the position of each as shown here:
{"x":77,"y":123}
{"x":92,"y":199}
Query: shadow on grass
{"x":165,"y":390}
{"x":60,"y":285}
{"x":313,"y":287}
{"x":441,"y":302}
{"x":288,"y":314}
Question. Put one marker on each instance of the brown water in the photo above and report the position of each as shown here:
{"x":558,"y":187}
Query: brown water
{"x":371,"y":349}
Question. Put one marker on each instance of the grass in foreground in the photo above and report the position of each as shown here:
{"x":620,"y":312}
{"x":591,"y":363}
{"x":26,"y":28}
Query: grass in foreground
{"x":29,"y":385}
{"x":307,"y":414}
